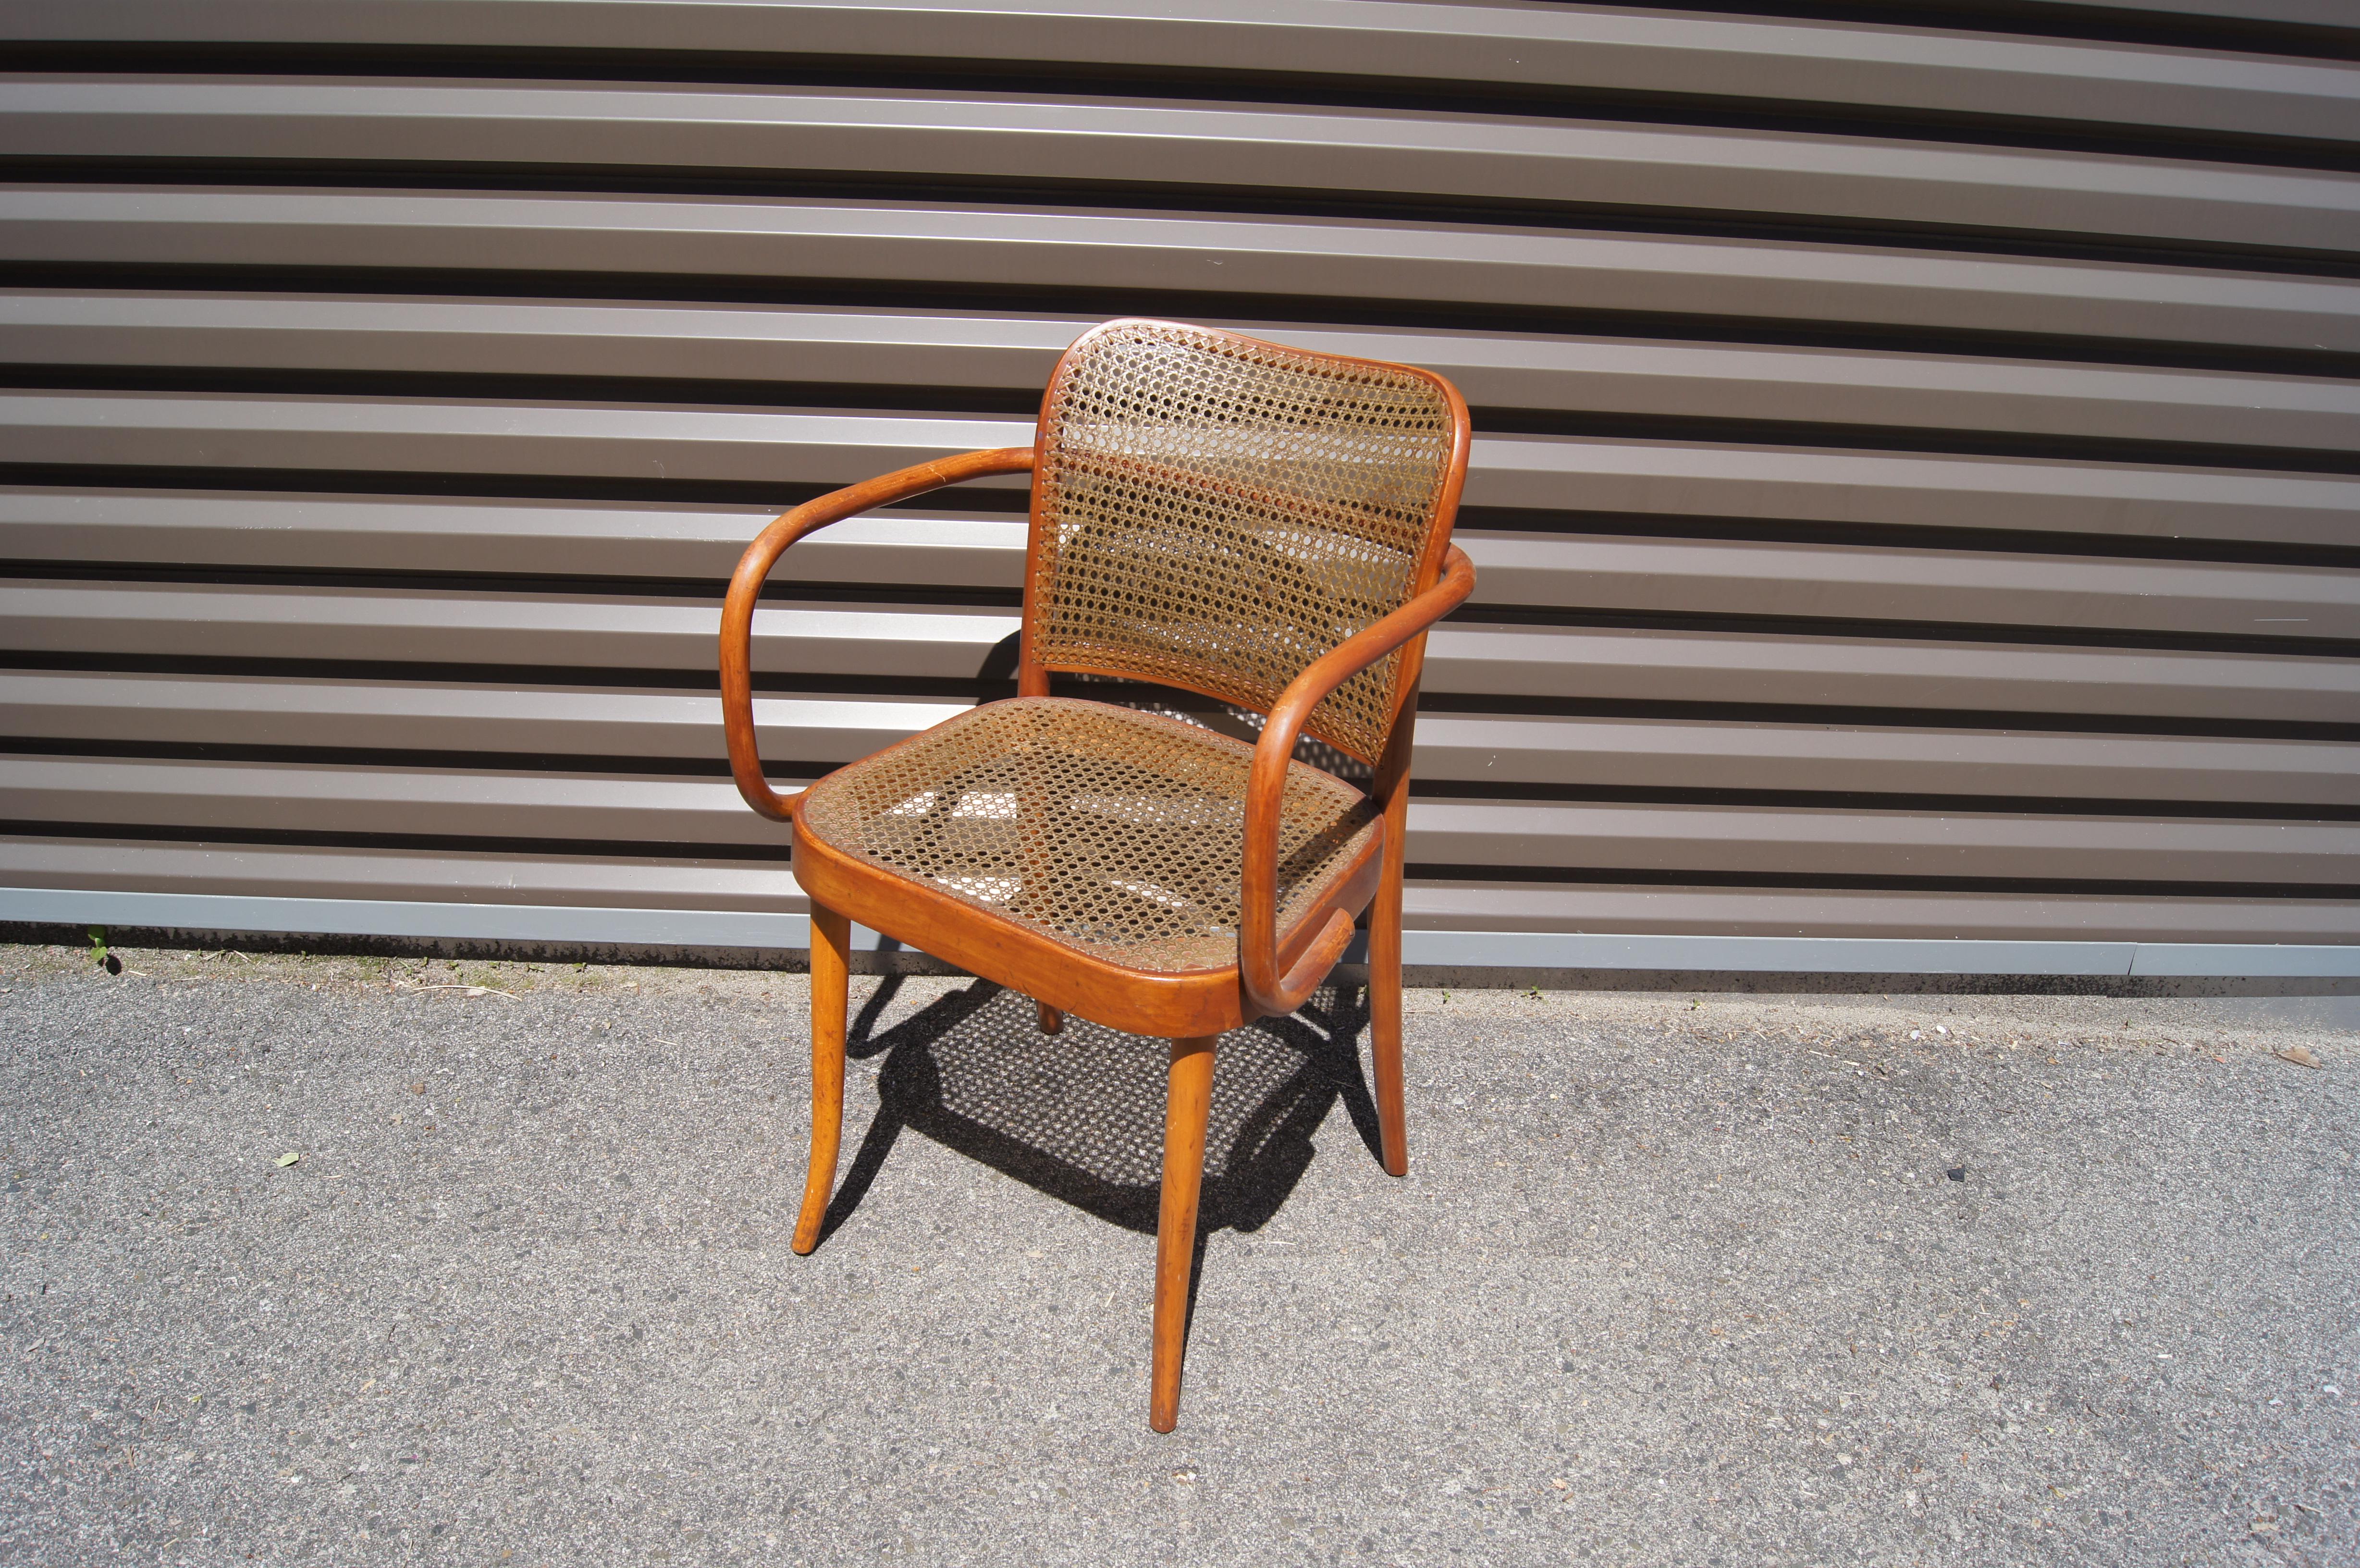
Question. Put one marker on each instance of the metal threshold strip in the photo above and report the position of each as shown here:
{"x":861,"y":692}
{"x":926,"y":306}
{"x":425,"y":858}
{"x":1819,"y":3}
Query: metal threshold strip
{"x":691,"y":930}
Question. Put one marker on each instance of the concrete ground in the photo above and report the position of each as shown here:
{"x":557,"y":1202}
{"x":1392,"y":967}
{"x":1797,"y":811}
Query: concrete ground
{"x":1697,"y":1280}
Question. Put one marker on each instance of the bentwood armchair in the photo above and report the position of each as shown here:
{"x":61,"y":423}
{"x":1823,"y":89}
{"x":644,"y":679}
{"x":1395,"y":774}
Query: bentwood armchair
{"x":1261,"y":524}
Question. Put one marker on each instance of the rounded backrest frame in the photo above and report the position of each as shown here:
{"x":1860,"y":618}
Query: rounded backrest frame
{"x":1357,"y":722}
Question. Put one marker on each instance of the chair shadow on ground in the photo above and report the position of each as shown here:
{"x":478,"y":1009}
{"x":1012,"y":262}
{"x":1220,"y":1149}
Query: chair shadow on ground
{"x":1079,"y":1114}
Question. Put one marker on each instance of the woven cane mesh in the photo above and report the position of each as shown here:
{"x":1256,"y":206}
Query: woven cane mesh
{"x":1217,"y":513}
{"x":1118,"y":832}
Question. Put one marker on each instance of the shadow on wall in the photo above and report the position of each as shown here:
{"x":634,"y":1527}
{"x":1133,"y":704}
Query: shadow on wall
{"x":1079,"y":1114}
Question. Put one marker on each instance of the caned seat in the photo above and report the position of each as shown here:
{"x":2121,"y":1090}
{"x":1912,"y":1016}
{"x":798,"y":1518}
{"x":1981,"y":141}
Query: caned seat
{"x":1117,"y":832}
{"x":1266,"y":525}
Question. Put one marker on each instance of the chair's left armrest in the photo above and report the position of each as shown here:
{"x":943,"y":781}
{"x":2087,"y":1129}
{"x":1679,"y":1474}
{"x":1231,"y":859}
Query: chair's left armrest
{"x":745,"y":587}
{"x":1267,"y":991}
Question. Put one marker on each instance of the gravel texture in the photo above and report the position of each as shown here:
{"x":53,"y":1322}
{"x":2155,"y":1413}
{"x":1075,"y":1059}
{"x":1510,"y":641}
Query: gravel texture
{"x":1687,"y":1280}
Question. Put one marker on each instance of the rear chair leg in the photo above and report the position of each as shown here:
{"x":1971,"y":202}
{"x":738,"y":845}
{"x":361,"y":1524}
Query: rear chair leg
{"x":1052,"y":1021}
{"x":831,"y":942}
{"x":1185,"y":1112}
{"x":1385,"y":1015}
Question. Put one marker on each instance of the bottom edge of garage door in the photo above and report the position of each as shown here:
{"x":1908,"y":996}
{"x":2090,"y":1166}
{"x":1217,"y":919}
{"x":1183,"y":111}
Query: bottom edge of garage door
{"x":693,"y":930}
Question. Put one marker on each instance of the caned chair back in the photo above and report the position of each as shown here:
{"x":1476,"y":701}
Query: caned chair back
{"x":1214,"y":512}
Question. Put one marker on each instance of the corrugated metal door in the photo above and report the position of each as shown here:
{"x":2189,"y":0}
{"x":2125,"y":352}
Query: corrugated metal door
{"x":1913,"y":494}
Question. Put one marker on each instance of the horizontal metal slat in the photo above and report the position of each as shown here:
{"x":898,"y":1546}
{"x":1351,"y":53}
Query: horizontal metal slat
{"x":434,"y":435}
{"x":331,"y":533}
{"x":1684,"y":479}
{"x":1698,"y":842}
{"x":450,"y":719}
{"x":445,"y":802}
{"x":482,"y":878}
{"x":1690,"y":56}
{"x":1653,"y":755}
{"x":1502,"y":753}
{"x":978,"y":248}
{"x":1306,"y":150}
{"x":1938,"y":393}
{"x":413,"y":625}
{"x":1593,"y":572}
{"x":1484,"y":663}
{"x":1930,"y":678}
{"x":1750,"y":911}
{"x":2310,"y":13}
{"x":460,"y":876}
{"x":572,"y":441}
{"x":1953,"y":587}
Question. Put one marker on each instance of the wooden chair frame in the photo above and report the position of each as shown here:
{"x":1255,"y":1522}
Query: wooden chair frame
{"x":1276,"y":970}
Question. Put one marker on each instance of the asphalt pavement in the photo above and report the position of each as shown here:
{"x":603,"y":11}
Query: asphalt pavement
{"x":1695,"y":1280}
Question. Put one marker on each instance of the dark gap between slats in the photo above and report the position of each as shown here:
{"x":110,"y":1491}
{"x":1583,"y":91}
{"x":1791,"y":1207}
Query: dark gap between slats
{"x":1197,"y":199}
{"x":1245,"y":308}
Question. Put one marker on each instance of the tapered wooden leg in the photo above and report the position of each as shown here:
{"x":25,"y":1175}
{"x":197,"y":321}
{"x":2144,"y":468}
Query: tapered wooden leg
{"x":1052,"y":1021}
{"x":1385,"y":1021}
{"x":1385,"y":992}
{"x":1190,"y":1101}
{"x":831,"y":936}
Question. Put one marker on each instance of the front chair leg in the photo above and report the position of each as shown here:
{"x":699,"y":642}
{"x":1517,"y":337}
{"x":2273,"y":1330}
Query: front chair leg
{"x":831,"y":935}
{"x":1185,"y":1112}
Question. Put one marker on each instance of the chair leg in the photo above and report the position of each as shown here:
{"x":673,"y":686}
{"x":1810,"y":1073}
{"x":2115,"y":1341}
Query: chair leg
{"x":1190,"y":1102}
{"x":1052,"y":1021}
{"x":831,"y":942}
{"x":1385,"y":1016}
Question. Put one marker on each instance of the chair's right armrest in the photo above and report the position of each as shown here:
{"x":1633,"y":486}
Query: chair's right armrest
{"x":1267,"y":992}
{"x":754,"y":567}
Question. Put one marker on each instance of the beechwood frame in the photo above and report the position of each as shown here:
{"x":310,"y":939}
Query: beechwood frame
{"x":1276,"y":970}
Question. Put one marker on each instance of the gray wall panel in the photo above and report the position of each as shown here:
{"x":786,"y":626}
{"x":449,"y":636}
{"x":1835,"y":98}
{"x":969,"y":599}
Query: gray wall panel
{"x":572,"y":441}
{"x":415,"y":625}
{"x":1557,"y":46}
{"x":926,"y":547}
{"x":1323,"y":152}
{"x":1695,"y":842}
{"x":400,"y":875}
{"x":932,"y":548}
{"x":1956,"y":587}
{"x":1921,"y":678}
{"x":1010,"y":354}
{"x":1914,"y":490}
{"x":1489,"y":751}
{"x":491,"y":879}
{"x":2055,"y":917}
{"x":1360,"y":264}
{"x":303,"y":625}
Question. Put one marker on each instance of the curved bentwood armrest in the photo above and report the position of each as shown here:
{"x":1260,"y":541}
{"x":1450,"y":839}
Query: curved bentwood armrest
{"x":745,"y":587}
{"x":1266,"y":993}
